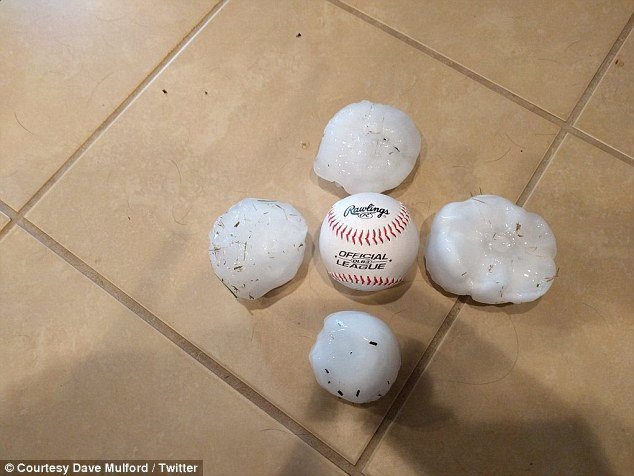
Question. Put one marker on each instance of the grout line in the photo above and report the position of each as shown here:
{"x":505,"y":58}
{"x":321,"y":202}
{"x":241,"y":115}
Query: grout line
{"x":487,"y":83}
{"x":17,"y":218}
{"x":208,"y":362}
{"x":6,"y":229}
{"x":11,"y":214}
{"x":574,"y":115}
{"x":123,"y":106}
{"x":410,"y":384}
{"x":567,"y":125}
{"x":600,"y":73}
{"x":541,"y":168}
{"x":600,"y":145}
{"x":8,"y":211}
{"x":188,"y":347}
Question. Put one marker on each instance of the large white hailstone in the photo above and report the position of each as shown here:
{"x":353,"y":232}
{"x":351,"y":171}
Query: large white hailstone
{"x":491,"y":249}
{"x":257,"y":245}
{"x":355,"y":357}
{"x":368,"y":147}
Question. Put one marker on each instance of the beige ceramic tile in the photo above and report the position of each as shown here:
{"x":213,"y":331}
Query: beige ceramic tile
{"x":547,"y":52}
{"x":544,"y":387}
{"x":3,"y":220}
{"x":65,"y":66}
{"x":609,"y":115}
{"x":82,"y":377}
{"x":246,"y":106}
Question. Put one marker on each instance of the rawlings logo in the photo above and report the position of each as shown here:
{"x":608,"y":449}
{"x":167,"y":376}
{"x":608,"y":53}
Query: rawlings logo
{"x":366,"y":212}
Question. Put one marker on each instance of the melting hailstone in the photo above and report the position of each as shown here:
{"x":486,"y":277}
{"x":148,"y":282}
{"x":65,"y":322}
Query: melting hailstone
{"x":256,"y":246}
{"x":368,"y":147}
{"x":491,"y":249}
{"x":355,"y":357}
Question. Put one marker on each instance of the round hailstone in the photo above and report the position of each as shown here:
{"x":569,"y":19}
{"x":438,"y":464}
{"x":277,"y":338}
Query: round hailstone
{"x":355,"y":357}
{"x":256,"y":246}
{"x":368,"y":147}
{"x":491,"y":249}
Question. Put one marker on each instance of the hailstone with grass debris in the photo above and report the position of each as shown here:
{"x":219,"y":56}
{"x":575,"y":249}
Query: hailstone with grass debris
{"x":368,"y":147}
{"x":257,"y":245}
{"x":356,"y":356}
{"x":491,"y":249}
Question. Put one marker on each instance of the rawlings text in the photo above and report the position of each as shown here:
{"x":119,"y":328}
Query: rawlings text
{"x":366,"y":212}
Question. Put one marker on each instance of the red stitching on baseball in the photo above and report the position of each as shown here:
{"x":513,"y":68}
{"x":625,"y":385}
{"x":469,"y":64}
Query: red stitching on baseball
{"x":358,"y":237}
{"x":404,"y":219}
{"x":365,"y":280}
{"x":404,"y":214}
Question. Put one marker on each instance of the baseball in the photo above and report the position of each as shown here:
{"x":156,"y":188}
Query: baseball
{"x":368,"y":241}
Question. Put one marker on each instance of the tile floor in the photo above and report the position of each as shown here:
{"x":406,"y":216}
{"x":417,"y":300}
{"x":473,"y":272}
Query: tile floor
{"x":127,"y":129}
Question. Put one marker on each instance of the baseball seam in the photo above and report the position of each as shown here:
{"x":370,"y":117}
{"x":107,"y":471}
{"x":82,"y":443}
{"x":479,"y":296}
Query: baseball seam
{"x":363,"y":237}
{"x":365,"y":280}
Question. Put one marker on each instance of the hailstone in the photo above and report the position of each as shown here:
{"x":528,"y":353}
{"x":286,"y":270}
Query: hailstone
{"x":368,"y":147}
{"x":491,"y":249}
{"x":257,"y":245}
{"x":355,"y":357}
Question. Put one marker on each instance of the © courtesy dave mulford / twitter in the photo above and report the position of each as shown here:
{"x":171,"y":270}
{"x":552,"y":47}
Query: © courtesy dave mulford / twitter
{"x":102,"y":467}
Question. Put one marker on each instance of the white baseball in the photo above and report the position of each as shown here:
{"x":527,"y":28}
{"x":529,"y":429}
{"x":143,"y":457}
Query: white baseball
{"x":368,"y":241}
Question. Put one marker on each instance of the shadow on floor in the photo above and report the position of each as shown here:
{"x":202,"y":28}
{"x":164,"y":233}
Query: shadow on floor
{"x":448,"y":431}
{"x":138,"y":404}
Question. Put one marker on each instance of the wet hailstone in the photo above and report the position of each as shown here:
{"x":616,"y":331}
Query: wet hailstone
{"x":256,"y":246}
{"x":368,"y":147}
{"x":355,"y":357}
{"x":491,"y":249}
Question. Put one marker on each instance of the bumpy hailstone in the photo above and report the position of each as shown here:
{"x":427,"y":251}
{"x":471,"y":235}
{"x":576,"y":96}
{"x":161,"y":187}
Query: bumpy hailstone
{"x":256,"y":246}
{"x":491,"y":249}
{"x":355,"y":357}
{"x":368,"y":147}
